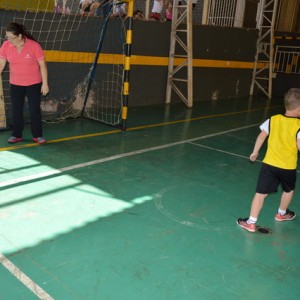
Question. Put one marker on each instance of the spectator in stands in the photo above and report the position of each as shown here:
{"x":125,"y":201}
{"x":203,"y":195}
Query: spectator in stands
{"x":103,"y":9}
{"x":107,"y":9}
{"x":90,"y":7}
{"x":138,"y":15}
{"x":61,"y":8}
{"x":156,"y":10}
{"x":28,"y":78}
{"x":169,"y":10}
{"x":120,"y":10}
{"x":57,"y":7}
{"x":84,"y":6}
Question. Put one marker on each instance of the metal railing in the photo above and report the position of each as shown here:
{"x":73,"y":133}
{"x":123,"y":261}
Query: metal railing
{"x":146,"y":6}
{"x":225,"y":13}
{"x":287,"y":59}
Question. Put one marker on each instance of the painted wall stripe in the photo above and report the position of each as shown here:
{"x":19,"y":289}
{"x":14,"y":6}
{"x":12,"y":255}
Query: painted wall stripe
{"x":105,"y":58}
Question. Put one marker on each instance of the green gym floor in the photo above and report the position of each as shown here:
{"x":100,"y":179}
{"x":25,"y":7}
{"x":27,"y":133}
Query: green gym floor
{"x":150,"y":213}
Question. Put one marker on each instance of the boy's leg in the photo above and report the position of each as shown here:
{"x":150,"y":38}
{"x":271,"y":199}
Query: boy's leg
{"x":286,"y":199}
{"x":256,"y":206}
{"x":288,"y":182}
{"x":284,"y":214}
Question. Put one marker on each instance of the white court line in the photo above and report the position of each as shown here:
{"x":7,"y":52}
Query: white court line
{"x":31,"y":285}
{"x":222,"y":151}
{"x":16,"y":271}
{"x":226,"y":152}
{"x":114,"y":157}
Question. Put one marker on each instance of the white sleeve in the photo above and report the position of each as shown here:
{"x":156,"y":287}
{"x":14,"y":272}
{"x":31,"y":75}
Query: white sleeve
{"x":265,"y":126}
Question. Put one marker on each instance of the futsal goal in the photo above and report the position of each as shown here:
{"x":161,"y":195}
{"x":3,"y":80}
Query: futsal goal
{"x":88,"y":58}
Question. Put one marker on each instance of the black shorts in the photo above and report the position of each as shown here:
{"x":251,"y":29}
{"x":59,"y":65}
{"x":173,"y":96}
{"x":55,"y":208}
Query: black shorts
{"x":270,"y":177}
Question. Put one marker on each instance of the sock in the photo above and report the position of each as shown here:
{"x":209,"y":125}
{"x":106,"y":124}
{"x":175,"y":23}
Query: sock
{"x":251,"y":220}
{"x":281,"y":212}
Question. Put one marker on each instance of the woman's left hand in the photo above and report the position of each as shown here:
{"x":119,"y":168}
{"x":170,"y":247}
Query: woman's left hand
{"x":45,"y":89}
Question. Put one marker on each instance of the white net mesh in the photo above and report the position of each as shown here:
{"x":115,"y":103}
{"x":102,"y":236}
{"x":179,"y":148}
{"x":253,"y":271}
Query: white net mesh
{"x":81,"y":83}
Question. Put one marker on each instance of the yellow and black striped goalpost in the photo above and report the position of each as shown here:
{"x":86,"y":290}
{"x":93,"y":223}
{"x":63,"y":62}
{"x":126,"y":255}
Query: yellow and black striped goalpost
{"x":126,"y":87}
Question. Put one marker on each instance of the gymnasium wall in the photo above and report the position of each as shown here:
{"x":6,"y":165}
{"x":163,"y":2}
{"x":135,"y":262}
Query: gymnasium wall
{"x":223,"y":59}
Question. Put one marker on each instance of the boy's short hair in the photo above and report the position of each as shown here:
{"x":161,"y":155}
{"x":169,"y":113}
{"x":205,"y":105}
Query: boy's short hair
{"x":292,"y":99}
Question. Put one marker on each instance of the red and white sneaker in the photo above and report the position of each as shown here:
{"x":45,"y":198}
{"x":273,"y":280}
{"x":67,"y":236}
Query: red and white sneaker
{"x":243,"y":223}
{"x":288,"y":216}
{"x":13,"y":140}
{"x":39,"y":140}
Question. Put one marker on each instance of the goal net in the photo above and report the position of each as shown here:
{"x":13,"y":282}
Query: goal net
{"x":87,"y":54}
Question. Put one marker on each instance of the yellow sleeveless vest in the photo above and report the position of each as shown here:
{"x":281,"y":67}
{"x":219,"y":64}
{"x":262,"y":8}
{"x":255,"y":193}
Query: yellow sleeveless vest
{"x":282,"y":149}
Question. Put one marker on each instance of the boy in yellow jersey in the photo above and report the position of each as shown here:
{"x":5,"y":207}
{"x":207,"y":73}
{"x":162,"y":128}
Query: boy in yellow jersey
{"x":280,"y":162}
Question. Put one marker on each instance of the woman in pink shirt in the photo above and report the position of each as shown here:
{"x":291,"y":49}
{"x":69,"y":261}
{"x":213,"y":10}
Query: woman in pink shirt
{"x":28,"y":77}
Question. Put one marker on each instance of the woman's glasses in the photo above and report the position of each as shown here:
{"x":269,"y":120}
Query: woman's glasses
{"x":10,"y":38}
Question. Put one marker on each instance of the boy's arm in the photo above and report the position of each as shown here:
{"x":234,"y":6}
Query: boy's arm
{"x":298,"y":144}
{"x":259,"y":142}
